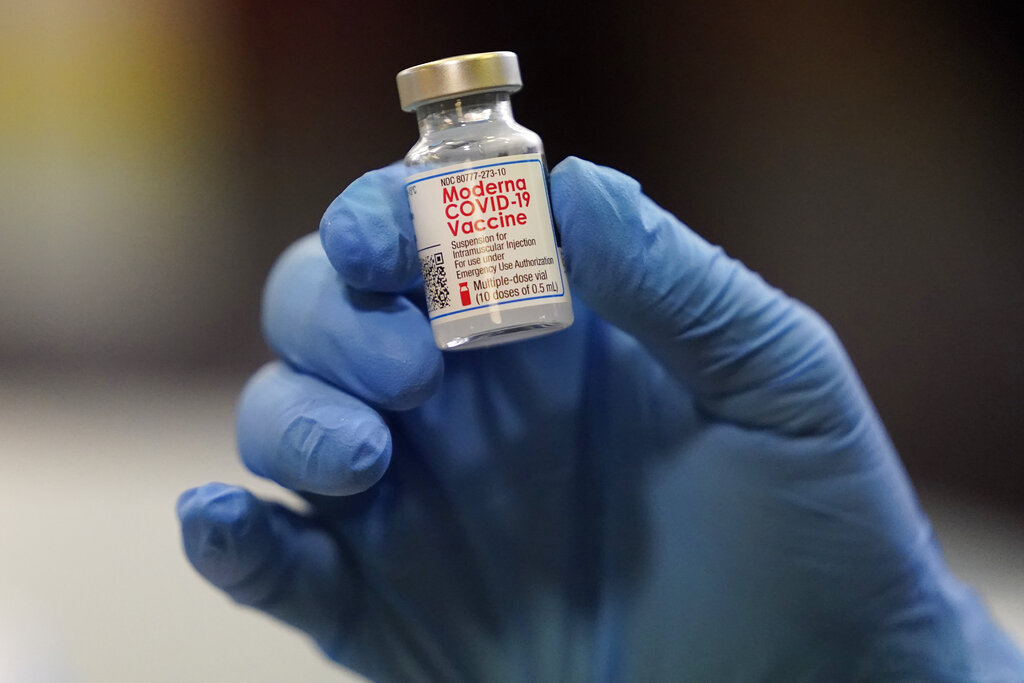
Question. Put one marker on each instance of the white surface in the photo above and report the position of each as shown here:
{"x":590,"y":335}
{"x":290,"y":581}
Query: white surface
{"x":90,"y":544}
{"x":93,"y":580}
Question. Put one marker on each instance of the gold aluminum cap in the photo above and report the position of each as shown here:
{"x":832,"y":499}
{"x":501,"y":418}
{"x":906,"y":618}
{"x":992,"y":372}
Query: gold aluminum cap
{"x":454,"y":76}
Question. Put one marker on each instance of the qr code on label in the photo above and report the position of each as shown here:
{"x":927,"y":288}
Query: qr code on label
{"x":435,"y":282}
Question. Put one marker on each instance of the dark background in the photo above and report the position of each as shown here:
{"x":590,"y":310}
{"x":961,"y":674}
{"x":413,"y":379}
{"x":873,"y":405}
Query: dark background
{"x":866,"y":157}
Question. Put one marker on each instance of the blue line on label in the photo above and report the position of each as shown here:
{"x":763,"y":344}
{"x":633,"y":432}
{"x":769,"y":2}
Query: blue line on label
{"x":499,"y":303}
{"x":473,"y":168}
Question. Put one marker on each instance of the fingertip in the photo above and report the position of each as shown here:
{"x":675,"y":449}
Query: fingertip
{"x":371,"y":457}
{"x":301,"y":272}
{"x":182,"y":505}
{"x":266,"y":556}
{"x":336,"y":451}
{"x":570,"y":166}
{"x":601,"y":214}
{"x":224,"y":531}
{"x":367,"y":233}
{"x":225,"y":500}
{"x":396,"y":364}
{"x":578,"y":183}
{"x":309,"y":436}
{"x":376,"y":345}
{"x":587,"y":197}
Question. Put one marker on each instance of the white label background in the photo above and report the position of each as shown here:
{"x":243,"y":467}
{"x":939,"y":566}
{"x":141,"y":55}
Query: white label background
{"x":434,"y":234}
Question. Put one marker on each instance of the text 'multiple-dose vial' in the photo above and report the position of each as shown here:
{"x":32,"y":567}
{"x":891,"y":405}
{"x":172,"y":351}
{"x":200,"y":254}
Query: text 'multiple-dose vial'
{"x":478,"y":191}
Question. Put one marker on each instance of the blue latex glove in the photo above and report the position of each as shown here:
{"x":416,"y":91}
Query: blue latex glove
{"x":690,"y":484}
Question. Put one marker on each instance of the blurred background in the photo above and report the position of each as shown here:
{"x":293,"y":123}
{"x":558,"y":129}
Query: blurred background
{"x":867,"y":157}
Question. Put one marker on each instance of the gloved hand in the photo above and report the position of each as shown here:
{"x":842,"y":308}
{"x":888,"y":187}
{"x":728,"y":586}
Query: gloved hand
{"x":690,"y":484}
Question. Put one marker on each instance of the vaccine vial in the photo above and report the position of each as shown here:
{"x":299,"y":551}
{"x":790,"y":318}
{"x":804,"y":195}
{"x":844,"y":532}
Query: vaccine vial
{"x":478,"y":191}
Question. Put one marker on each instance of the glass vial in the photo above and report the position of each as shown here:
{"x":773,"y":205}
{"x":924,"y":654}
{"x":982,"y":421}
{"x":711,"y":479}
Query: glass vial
{"x":478,"y":191}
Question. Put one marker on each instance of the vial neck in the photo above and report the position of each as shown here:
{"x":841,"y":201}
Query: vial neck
{"x":487,"y":107}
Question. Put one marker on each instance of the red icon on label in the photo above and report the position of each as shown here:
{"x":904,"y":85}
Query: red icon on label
{"x":464,"y":292}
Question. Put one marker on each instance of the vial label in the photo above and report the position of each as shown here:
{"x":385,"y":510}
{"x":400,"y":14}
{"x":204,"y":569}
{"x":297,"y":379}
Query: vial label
{"x":485,"y":236}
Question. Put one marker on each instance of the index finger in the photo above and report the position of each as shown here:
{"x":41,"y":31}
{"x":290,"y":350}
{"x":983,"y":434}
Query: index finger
{"x":367,"y":233}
